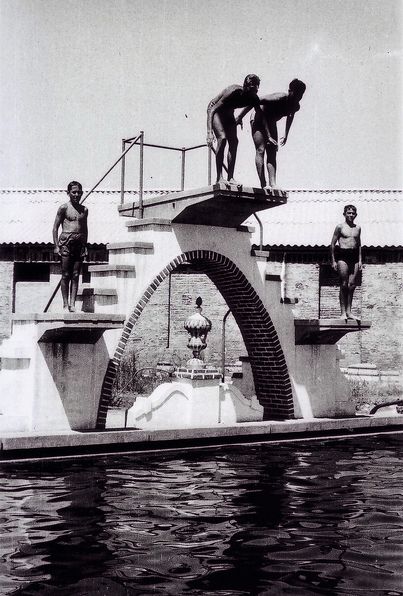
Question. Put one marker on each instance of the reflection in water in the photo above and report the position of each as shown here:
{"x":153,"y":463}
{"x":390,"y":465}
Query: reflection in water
{"x":325,"y":518}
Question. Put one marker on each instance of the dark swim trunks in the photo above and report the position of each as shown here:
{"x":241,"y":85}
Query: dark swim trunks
{"x":72,"y":244}
{"x":349,"y":256}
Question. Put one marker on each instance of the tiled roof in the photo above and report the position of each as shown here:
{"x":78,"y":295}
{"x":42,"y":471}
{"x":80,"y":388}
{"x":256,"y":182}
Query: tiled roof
{"x":307,"y":220}
{"x":310,"y":217}
{"x":27,"y":216}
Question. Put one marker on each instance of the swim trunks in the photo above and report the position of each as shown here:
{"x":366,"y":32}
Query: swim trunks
{"x":72,"y":244}
{"x":348,"y":255}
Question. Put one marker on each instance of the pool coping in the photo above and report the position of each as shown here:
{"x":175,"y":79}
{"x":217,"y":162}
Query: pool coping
{"x":32,"y":445}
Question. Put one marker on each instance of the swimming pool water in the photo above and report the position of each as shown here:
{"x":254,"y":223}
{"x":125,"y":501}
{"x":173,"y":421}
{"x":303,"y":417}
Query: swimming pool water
{"x":319,"y":517}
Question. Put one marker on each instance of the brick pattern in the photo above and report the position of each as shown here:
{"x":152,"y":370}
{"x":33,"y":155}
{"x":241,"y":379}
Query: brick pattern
{"x":379,"y":299}
{"x":162,"y":323}
{"x":329,"y":287}
{"x":383,"y":305}
{"x":272,"y":382}
{"x":302,"y":282}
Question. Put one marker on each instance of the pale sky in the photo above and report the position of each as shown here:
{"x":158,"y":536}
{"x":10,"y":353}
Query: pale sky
{"x":78,"y":75}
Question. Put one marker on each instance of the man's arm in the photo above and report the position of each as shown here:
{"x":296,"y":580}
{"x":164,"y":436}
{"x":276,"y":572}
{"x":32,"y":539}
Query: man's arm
{"x":266,"y":101}
{"x":266,"y":126}
{"x":288,"y":123}
{"x":85,"y":231}
{"x":336,"y":236}
{"x":60,"y":215}
{"x":242,"y":114}
{"x":359,"y":249}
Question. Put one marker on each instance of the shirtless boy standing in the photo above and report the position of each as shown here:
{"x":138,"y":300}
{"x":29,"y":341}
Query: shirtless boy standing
{"x":346,"y":258}
{"x":221,"y":121}
{"x":71,"y":245}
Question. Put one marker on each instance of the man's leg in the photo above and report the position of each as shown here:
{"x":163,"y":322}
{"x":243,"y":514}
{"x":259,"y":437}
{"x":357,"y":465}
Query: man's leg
{"x":260,"y":143}
{"x":74,"y":285}
{"x":271,"y":155}
{"x":352,"y":283}
{"x":220,"y":135}
{"x":232,"y":151}
{"x":342,"y":269}
{"x":65,"y":282}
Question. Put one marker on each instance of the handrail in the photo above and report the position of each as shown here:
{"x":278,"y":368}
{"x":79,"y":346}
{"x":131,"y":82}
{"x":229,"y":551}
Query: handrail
{"x":195,"y":147}
{"x":162,"y":146}
{"x":141,"y":174}
{"x":261,"y":231}
{"x":182,"y":150}
{"x":110,"y":169}
{"x":223,"y":345}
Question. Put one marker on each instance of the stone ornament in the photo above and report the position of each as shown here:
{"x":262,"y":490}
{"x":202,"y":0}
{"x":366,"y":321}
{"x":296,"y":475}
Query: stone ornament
{"x":198,"y":326}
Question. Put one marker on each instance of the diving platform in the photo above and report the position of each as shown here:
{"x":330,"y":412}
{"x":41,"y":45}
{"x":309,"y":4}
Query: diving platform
{"x":53,"y":366}
{"x":325,"y":331}
{"x":222,"y":205}
{"x":78,"y":328}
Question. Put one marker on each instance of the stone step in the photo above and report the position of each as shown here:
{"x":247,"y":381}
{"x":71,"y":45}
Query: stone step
{"x":93,"y":297}
{"x":113,"y":269}
{"x":97,"y":292}
{"x":131,"y":246}
{"x":149,"y":223}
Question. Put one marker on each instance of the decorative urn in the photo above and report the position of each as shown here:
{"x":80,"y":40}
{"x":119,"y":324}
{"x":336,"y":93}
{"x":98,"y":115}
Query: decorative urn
{"x":198,"y":326}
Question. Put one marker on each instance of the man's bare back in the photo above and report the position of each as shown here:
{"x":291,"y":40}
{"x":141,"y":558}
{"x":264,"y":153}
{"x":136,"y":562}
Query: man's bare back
{"x":221,"y":121}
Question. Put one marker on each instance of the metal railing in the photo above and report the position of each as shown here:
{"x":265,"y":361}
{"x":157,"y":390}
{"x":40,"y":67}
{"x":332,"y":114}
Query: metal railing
{"x":140,"y":141}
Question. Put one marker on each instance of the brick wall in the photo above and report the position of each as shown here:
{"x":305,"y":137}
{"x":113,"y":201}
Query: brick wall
{"x":378,"y":299}
{"x":383,"y":305}
{"x":329,"y":294}
{"x":151,"y":340}
{"x":33,"y":296}
{"x":302,"y":282}
{"x":272,"y":382}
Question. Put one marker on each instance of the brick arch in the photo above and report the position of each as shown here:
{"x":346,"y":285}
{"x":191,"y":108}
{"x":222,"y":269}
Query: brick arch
{"x":272,"y":382}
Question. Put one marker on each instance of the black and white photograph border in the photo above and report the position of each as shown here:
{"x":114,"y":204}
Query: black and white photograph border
{"x":200,"y":297}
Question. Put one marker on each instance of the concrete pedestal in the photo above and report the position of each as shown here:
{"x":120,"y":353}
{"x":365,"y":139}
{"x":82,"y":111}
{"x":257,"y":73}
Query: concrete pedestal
{"x":196,"y":399}
{"x":320,"y":388}
{"x":52,"y":370}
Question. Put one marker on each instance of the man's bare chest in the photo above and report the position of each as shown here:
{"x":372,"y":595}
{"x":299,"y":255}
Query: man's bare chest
{"x":349,"y":232}
{"x":73,"y":214}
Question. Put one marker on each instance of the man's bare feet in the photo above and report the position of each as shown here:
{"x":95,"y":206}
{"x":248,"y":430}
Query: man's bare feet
{"x":233,"y":182}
